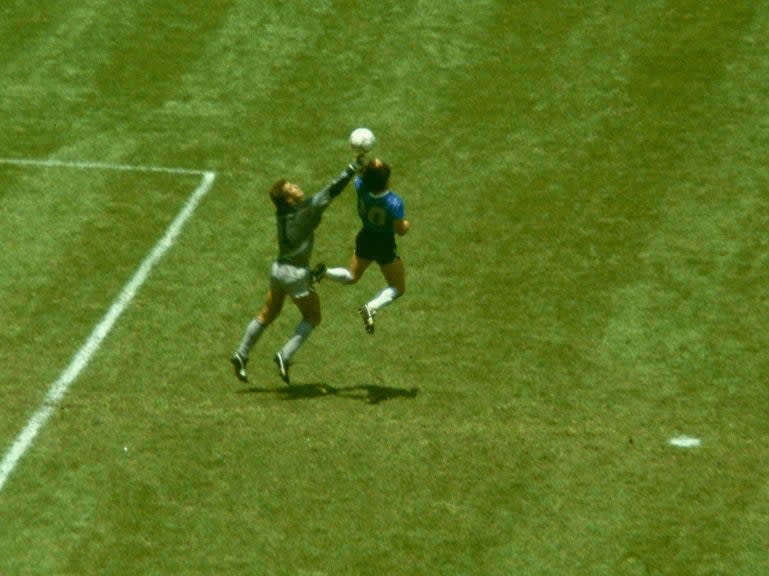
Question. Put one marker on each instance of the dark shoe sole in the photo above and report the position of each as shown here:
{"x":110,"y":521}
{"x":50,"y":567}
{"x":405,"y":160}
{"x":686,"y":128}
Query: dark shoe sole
{"x":282,"y":368}
{"x":240,"y":367}
{"x":368,"y":319}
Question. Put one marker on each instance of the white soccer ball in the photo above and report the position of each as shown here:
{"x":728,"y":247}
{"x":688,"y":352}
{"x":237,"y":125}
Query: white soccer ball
{"x":362,"y":140}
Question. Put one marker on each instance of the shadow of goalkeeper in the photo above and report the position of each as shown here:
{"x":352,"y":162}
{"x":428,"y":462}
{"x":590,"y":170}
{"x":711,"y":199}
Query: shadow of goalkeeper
{"x":368,"y":393}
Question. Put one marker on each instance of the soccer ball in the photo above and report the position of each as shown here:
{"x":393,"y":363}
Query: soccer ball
{"x":362,"y":140}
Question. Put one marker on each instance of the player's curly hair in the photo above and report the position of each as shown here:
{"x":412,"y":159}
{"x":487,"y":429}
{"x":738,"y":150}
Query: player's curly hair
{"x":376,"y":176}
{"x":278,"y":193}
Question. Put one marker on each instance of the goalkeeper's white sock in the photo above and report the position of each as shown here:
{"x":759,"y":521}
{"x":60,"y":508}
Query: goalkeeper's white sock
{"x":383,"y":298}
{"x":301,"y":333}
{"x":253,"y":331}
{"x":339,"y":274}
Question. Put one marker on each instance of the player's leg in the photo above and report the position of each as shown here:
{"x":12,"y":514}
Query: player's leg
{"x":352,"y":273}
{"x":273,"y":304}
{"x":361,"y":259}
{"x":309,"y":306}
{"x":395,"y":276}
{"x":358,"y":266}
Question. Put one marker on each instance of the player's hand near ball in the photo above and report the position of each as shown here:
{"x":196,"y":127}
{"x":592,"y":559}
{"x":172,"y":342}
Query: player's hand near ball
{"x":360,"y":163}
{"x":362,"y":141}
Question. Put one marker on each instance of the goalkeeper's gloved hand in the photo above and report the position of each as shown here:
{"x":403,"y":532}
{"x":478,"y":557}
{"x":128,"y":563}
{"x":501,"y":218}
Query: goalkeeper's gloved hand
{"x":360,"y":163}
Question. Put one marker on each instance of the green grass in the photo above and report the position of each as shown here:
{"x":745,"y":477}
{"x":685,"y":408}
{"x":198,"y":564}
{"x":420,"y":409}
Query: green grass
{"x":586,"y":280}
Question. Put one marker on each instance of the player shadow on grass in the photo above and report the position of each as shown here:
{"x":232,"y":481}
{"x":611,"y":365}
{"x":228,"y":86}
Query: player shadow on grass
{"x":368,"y":393}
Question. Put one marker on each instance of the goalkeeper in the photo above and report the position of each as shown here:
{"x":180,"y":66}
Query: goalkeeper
{"x":290,"y":275}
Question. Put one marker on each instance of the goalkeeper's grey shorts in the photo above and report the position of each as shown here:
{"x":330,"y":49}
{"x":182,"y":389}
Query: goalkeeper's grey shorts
{"x":295,"y":281}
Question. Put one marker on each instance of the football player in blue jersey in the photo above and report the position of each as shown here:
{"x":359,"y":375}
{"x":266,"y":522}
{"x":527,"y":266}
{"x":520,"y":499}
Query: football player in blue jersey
{"x":297,"y":218}
{"x":382,"y":215}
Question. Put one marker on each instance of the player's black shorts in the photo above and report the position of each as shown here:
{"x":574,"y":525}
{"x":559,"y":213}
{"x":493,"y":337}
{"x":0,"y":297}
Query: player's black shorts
{"x":375,"y":247}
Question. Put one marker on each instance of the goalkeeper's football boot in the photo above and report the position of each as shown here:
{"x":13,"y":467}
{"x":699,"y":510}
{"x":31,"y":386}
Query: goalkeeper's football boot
{"x":239,"y":364}
{"x":282,"y":365}
{"x":318,"y":273}
{"x":368,"y":318}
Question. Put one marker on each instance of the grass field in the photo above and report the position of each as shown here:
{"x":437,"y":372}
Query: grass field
{"x":587,"y":279}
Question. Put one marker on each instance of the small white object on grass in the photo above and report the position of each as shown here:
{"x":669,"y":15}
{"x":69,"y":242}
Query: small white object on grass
{"x":685,"y":442}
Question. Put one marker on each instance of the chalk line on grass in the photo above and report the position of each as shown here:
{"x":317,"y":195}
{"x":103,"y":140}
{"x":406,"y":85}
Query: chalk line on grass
{"x":83,"y":356}
{"x":49,"y":163}
{"x":685,"y":442}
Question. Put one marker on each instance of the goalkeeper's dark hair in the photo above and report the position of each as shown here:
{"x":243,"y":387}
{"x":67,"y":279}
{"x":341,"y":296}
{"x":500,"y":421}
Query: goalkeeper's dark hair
{"x":376,"y":176}
{"x":278,"y":194}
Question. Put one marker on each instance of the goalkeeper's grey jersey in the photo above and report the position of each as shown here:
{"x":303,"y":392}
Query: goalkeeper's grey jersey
{"x":296,"y":224}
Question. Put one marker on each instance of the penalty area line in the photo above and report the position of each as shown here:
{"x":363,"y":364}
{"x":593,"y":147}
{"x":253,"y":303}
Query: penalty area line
{"x":100,"y":166}
{"x":59,"y":388}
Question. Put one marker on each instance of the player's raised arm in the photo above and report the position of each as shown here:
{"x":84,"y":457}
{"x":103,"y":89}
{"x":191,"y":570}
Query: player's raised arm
{"x":361,"y":141}
{"x":335,"y":187}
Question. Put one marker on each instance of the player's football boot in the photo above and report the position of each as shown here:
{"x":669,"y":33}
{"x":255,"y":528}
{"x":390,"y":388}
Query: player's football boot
{"x":239,"y":363}
{"x":318,"y":272}
{"x":368,"y":318}
{"x":282,"y":367}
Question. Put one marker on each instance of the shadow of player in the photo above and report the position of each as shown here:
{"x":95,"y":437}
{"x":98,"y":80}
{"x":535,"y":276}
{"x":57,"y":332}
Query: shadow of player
{"x":368,"y":393}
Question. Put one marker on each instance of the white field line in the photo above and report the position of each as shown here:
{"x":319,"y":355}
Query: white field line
{"x":99,"y":166}
{"x":83,"y":356}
